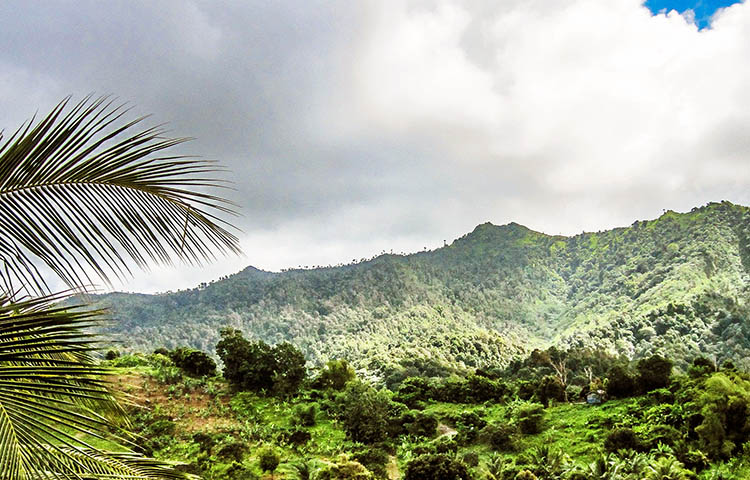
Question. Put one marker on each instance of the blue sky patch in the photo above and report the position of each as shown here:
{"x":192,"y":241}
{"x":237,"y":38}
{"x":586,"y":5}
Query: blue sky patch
{"x":703,"y":8}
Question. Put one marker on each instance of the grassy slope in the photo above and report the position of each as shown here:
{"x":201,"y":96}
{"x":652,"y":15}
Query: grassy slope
{"x":205,"y":406}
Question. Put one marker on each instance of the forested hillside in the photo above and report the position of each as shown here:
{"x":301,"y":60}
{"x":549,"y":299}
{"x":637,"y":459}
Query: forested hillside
{"x":678,"y":283}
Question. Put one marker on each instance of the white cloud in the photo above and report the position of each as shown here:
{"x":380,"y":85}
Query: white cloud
{"x":359,"y":127}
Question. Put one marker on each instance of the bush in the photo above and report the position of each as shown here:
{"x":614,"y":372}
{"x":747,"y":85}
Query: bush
{"x":525,"y":475}
{"x":111,"y":354}
{"x":344,"y":470}
{"x":470,"y":459}
{"x":445,"y":445}
{"x":127,"y":361}
{"x":436,"y":467}
{"x":304,"y":415}
{"x":268,"y":458}
{"x":424,"y":425}
{"x":232,"y":451}
{"x":295,"y":436}
{"x":204,"y":441}
{"x":701,"y":367}
{"x":529,"y":417}
{"x":499,"y":436}
{"x":414,"y":390}
{"x":622,"y":439}
{"x":375,"y":459}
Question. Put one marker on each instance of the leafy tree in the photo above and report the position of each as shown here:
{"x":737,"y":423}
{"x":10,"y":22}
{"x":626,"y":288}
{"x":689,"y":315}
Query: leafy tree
{"x":621,"y":383}
{"x":247,"y":365}
{"x":85,"y":197}
{"x":258,"y":367}
{"x":365,"y":413}
{"x":550,"y":388}
{"x":335,"y":375}
{"x":193,"y":362}
{"x":725,"y":407}
{"x":654,"y":372}
{"x":701,"y":366}
{"x":289,"y":369}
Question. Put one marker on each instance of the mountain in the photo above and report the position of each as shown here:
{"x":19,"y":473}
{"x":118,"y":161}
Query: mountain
{"x":679,"y":283}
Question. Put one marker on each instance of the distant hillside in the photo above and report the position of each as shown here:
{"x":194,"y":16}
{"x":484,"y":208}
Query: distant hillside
{"x":679,"y":282}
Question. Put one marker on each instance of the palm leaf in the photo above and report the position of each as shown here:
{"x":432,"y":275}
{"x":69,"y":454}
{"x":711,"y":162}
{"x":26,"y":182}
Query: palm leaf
{"x":54,"y":400}
{"x":88,"y":198}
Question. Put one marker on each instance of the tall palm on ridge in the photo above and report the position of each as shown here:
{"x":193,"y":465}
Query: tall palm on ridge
{"x":85,"y":196}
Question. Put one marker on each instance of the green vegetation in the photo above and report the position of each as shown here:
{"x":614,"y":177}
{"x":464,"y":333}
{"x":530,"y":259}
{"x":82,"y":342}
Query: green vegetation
{"x":694,"y":426}
{"x":85,"y":197}
{"x":678,"y":285}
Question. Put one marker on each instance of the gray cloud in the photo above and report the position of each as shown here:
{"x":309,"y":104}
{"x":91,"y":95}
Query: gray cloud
{"x":357,"y":127}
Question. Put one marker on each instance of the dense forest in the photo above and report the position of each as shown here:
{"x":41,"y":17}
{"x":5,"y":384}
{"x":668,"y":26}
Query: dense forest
{"x":576,"y":414}
{"x":676,"y":284}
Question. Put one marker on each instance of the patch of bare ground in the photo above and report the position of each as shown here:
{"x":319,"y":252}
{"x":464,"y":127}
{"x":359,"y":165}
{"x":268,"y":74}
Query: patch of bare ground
{"x":193,"y":410}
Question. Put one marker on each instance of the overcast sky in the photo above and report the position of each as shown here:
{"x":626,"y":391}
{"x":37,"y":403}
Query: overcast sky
{"x":354,"y":127}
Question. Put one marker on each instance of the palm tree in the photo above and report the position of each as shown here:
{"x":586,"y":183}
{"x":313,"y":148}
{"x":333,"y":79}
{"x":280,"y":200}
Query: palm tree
{"x":83,"y":196}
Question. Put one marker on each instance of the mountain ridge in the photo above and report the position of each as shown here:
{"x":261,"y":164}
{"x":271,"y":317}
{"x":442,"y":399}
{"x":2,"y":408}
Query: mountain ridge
{"x":485,"y":298}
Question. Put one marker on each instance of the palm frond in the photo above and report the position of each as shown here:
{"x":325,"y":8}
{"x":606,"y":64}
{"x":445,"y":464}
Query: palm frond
{"x":54,"y":399}
{"x":87,"y":197}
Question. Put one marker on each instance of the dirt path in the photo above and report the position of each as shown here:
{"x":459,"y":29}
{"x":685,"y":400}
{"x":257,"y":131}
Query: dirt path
{"x":392,"y":468}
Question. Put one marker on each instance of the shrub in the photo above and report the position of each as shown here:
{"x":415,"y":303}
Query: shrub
{"x":268,"y":458}
{"x":204,"y":441}
{"x":525,"y":475}
{"x":375,"y":459}
{"x":304,"y":415}
{"x":529,"y":417}
{"x":136,"y":360}
{"x":499,"y":436}
{"x":445,"y":445}
{"x":232,"y":451}
{"x":622,"y":439}
{"x":424,"y":425}
{"x":111,"y":354}
{"x":295,"y":436}
{"x":344,"y":470}
{"x":436,"y":467}
{"x":470,"y":459}
{"x":414,"y":390}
